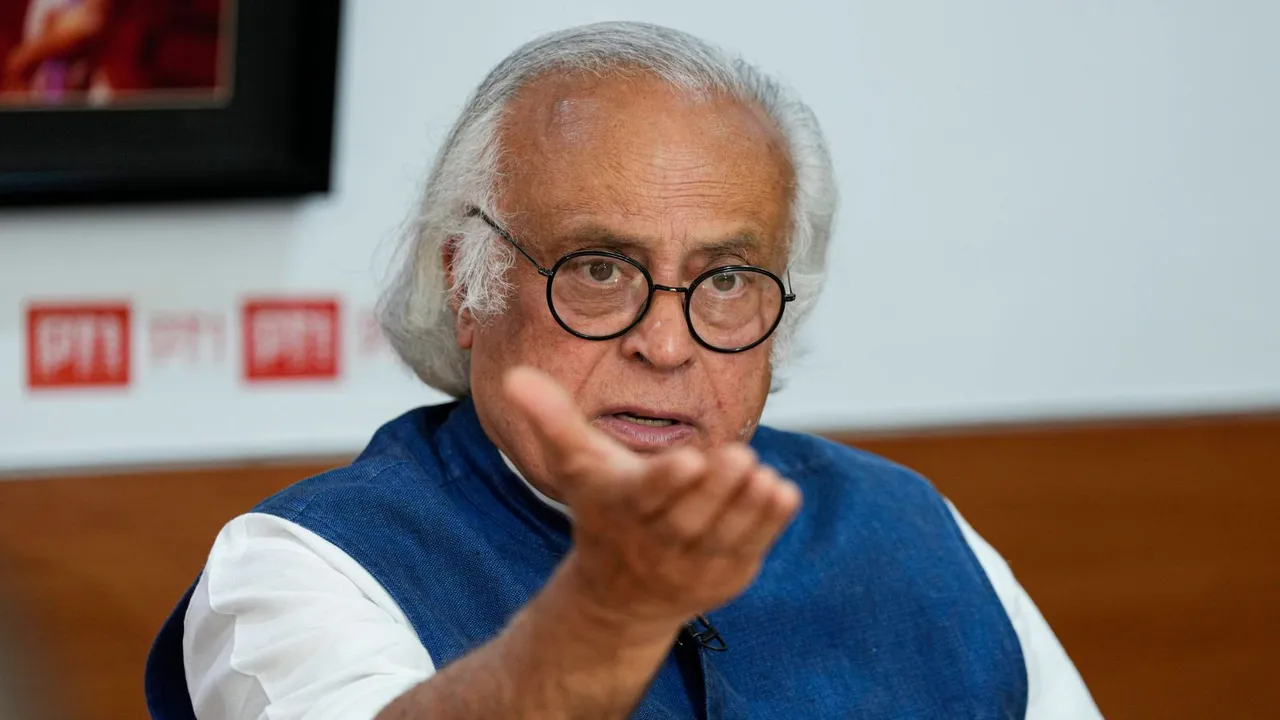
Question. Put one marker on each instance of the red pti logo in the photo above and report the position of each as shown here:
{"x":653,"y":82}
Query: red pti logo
{"x":77,"y":345}
{"x":291,"y":339}
{"x":187,"y":337}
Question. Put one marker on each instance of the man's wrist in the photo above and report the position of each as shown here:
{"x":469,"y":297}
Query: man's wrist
{"x":579,"y":657}
{"x":599,"y":618}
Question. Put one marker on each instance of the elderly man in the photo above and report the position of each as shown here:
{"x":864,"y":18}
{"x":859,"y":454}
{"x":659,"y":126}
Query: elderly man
{"x":613,"y":251}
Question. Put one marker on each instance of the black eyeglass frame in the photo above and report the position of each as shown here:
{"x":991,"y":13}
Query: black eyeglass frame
{"x":550,"y":275}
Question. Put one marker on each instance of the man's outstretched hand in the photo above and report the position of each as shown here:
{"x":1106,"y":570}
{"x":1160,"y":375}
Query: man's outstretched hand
{"x":656,"y":539}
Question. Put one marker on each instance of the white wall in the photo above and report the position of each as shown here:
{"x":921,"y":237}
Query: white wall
{"x":1050,"y":209}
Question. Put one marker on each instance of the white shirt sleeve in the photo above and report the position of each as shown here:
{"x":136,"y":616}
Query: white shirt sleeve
{"x":1055,"y":690}
{"x":285,"y":626}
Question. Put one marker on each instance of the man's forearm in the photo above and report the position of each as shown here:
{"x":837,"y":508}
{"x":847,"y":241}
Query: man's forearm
{"x":559,"y":658}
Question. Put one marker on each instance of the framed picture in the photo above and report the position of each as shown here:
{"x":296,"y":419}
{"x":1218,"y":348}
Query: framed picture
{"x":148,"y":100}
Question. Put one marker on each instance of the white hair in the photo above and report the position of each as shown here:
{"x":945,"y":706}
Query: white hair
{"x":417,"y":309}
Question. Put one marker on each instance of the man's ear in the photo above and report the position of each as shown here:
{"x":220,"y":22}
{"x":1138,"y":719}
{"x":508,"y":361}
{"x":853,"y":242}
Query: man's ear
{"x":463,"y":322}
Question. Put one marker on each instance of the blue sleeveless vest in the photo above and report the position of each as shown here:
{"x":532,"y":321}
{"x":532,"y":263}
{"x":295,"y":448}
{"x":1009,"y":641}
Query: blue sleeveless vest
{"x":870,"y":606}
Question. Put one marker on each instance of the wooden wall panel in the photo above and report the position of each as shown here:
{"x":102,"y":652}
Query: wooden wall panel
{"x":96,"y":563}
{"x":1151,"y":547}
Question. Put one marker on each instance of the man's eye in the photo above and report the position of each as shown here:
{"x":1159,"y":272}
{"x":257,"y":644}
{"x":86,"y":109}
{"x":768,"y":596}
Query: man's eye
{"x":725,"y":282}
{"x":601,"y":271}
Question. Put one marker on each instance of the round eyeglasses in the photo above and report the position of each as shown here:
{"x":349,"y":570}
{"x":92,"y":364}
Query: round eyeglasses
{"x":601,"y":295}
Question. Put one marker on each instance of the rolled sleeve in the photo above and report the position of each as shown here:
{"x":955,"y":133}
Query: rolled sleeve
{"x":283,"y":625}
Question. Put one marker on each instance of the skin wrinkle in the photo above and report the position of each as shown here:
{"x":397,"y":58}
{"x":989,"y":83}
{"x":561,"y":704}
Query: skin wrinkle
{"x":744,"y":246}
{"x":642,"y":160}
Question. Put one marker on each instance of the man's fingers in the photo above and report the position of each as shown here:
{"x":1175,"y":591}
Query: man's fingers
{"x":693,"y":511}
{"x":566,"y":436}
{"x":723,"y":500}
{"x":667,"y":478}
{"x":781,"y":501}
{"x":744,"y":511}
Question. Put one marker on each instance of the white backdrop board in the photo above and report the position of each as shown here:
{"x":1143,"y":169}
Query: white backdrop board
{"x":1049,"y":209}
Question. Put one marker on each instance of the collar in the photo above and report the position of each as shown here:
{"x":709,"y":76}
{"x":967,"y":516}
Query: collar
{"x":489,"y":480}
{"x":553,"y":504}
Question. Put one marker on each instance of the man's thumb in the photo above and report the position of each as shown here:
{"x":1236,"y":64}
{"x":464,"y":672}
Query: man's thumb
{"x":560,"y":424}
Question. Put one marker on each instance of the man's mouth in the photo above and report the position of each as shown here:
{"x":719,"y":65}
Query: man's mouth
{"x":644,"y":420}
{"x":647,"y":429}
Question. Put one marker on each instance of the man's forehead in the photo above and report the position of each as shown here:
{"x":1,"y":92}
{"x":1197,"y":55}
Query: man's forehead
{"x":575,"y":109}
{"x":745,"y":235}
{"x":637,"y":162}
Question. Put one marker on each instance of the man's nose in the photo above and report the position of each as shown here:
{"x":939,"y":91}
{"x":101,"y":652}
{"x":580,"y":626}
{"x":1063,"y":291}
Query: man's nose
{"x":662,"y":338}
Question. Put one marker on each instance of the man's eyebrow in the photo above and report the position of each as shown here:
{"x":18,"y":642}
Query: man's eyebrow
{"x":739,"y":244}
{"x":601,"y":237}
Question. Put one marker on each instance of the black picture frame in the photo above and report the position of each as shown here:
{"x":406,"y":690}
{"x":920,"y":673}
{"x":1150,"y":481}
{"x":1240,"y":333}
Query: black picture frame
{"x":271,"y":137}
